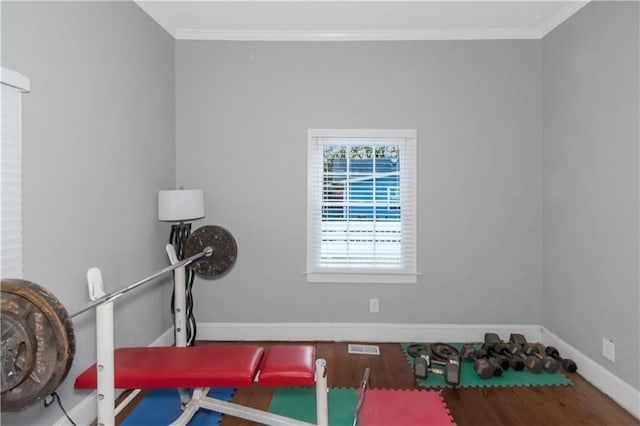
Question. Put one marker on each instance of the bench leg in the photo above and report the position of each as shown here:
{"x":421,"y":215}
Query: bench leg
{"x":322,"y":404}
{"x":262,"y":417}
{"x":201,"y":400}
{"x":191,"y":408}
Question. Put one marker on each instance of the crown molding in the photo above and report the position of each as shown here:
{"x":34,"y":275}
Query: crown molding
{"x":355,"y":35}
{"x":560,"y":17}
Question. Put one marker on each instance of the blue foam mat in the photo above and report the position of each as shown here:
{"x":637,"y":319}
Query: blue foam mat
{"x":162,"y":406}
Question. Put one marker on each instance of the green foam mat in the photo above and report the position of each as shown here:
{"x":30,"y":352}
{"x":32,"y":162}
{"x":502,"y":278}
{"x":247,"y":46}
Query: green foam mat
{"x":509,"y":378}
{"x":300,"y":404}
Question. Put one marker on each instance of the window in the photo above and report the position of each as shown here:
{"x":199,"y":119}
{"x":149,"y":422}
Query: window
{"x":13,"y":84}
{"x":361,"y":206}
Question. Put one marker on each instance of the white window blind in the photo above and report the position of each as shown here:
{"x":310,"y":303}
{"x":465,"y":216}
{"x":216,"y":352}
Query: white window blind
{"x":361,"y":206}
{"x":13,"y":84}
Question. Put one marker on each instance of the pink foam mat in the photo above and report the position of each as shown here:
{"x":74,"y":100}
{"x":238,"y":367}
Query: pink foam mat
{"x":386,"y":407}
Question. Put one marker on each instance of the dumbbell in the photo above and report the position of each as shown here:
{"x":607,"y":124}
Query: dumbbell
{"x":423,"y":359}
{"x":451,"y":369}
{"x":493,"y":339}
{"x":568,"y":364}
{"x":518,"y":339}
{"x":422,"y":366}
{"x":521,"y":341}
{"x":550,"y":365}
{"x":497,"y":357}
{"x":481,"y":364}
{"x":534,"y":364}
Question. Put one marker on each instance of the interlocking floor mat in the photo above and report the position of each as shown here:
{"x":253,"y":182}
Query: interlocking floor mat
{"x":162,"y":406}
{"x":383,"y":407}
{"x":469,"y":379}
{"x":300,"y":403}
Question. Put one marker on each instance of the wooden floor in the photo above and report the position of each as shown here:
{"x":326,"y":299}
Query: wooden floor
{"x":580,"y":404}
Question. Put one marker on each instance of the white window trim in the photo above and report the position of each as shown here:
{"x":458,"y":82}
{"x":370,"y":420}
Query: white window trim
{"x":328,"y":275}
{"x":11,"y":205}
{"x":14,"y":79}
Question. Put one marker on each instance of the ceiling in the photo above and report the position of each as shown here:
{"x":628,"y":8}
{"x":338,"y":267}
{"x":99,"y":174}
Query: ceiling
{"x":359,"y":20}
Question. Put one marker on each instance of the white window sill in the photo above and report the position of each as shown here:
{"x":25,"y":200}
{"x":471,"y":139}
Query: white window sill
{"x":362,"y":278}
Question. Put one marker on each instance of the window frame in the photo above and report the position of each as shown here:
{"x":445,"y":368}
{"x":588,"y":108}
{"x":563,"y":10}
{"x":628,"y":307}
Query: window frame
{"x":394,"y":274}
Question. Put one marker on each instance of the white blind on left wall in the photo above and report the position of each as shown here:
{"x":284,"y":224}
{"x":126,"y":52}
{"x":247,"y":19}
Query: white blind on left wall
{"x":13,"y":84}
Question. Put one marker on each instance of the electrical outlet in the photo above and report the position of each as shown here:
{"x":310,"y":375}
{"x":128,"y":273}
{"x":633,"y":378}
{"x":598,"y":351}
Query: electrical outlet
{"x":374,"y":306}
{"x":608,"y":349}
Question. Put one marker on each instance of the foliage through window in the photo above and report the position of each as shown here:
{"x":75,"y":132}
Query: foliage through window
{"x":361,"y":206}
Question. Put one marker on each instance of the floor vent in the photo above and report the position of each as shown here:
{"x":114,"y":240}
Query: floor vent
{"x":364,"y":349}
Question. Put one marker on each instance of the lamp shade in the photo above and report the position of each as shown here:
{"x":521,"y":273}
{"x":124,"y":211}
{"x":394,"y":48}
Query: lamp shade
{"x":180,"y":205}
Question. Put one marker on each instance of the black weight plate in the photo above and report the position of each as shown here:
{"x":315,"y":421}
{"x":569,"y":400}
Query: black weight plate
{"x":416,"y":350}
{"x":224,"y":248}
{"x":442,"y":351}
{"x":41,"y":314}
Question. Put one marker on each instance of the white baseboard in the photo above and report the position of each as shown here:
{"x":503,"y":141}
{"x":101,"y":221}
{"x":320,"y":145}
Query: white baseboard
{"x":86,"y":412}
{"x":360,"y":332}
{"x":621,"y":392}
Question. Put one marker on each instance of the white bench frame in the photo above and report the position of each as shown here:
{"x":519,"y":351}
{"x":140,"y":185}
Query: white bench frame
{"x":106,"y":367}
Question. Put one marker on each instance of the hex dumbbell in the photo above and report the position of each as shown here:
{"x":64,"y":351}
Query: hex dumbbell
{"x":518,"y":339}
{"x":568,"y":364}
{"x":496,"y":356}
{"x":534,"y":364}
{"x":549,"y":364}
{"x":515,"y":362}
{"x":481,"y":364}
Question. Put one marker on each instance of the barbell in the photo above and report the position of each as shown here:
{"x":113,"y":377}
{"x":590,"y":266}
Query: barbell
{"x":37,"y":336}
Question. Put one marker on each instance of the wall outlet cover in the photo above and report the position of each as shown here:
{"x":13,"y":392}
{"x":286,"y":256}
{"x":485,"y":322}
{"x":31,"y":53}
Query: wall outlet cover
{"x":608,"y":349}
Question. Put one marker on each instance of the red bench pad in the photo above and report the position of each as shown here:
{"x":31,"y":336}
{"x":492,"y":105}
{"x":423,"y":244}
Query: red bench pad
{"x":288,"y":365}
{"x":179,"y":367}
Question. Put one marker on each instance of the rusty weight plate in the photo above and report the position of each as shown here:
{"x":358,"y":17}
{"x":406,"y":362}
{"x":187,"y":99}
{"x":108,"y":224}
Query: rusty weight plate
{"x":38,"y":344}
{"x":224,"y":248}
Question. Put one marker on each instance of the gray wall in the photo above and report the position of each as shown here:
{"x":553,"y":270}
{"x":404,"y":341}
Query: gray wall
{"x":243,"y":110}
{"x":590,"y":169}
{"x":98,"y":143}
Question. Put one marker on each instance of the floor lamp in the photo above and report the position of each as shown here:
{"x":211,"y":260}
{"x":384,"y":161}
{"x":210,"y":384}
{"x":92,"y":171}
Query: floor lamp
{"x":182,"y":206}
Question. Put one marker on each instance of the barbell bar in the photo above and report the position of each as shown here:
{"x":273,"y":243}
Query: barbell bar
{"x":207,"y":251}
{"x":37,"y":335}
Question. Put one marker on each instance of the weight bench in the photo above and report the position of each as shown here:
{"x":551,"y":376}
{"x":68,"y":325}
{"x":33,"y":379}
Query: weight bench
{"x":198,"y":367}
{"x":204,"y":367}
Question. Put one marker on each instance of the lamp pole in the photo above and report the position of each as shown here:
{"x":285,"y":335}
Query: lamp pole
{"x":182,"y":205}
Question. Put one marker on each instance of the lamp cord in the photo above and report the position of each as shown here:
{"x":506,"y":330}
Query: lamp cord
{"x":55,"y":396}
